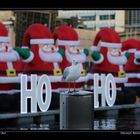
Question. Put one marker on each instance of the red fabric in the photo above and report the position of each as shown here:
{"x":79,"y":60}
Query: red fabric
{"x":36,"y":31}
{"x":65,"y":32}
{"x":130,"y":44}
{"x":18,"y":66}
{"x":107,"y":35}
{"x":105,"y":65}
{"x":38,"y":65}
{"x":111,"y":36}
{"x":130,"y":65}
{"x":3,"y":30}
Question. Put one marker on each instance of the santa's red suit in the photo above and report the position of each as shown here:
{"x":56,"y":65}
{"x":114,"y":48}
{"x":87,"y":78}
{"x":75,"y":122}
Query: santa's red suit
{"x":44,"y":56}
{"x":66,"y":38}
{"x":107,"y":56}
{"x":132,"y":67}
{"x":10,"y":68}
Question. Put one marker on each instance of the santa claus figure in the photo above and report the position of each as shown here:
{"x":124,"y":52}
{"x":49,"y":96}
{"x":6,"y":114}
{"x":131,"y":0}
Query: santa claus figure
{"x":10,"y":67}
{"x":107,"y":58}
{"x":132,"y":67}
{"x":67,"y":39}
{"x":43,"y":57}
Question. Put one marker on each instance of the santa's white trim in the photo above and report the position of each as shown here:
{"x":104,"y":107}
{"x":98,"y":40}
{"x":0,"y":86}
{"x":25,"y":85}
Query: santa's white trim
{"x":24,"y":47}
{"x":55,"y":79}
{"x":132,"y":84}
{"x":131,"y":50}
{"x":4,"y":39}
{"x":10,"y":66}
{"x":121,"y":80}
{"x":42,"y":41}
{"x":90,"y":76}
{"x":138,"y":75}
{"x":94,"y":48}
{"x":137,"y":63}
{"x":131,"y":75}
{"x":119,"y":89}
{"x":137,"y":54}
{"x":5,"y":80}
{"x":11,"y":92}
{"x":117,"y":80}
{"x":68,"y":43}
{"x":29,"y":59}
{"x":99,"y":61}
{"x":56,"y":66}
{"x":110,"y":45}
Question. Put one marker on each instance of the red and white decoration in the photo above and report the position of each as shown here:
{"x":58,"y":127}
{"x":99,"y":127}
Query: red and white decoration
{"x":66,"y":38}
{"x":132,"y":67}
{"x":44,"y":58}
{"x":108,"y":43}
{"x":10,"y":64}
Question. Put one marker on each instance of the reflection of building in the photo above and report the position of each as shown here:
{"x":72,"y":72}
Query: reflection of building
{"x":24,"y":18}
{"x":97,"y":19}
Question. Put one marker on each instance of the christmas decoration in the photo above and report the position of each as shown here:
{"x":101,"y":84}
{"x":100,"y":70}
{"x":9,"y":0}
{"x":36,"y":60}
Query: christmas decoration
{"x":107,"y":58}
{"x":67,"y":39}
{"x":10,"y":68}
{"x":43,"y":57}
{"x":132,"y":87}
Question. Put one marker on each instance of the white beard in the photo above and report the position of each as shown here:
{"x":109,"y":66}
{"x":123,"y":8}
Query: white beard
{"x":50,"y":57}
{"x":120,"y":60}
{"x":81,"y":58}
{"x":11,"y":56}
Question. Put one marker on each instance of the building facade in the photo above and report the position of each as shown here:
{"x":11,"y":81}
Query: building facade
{"x":24,"y":18}
{"x":97,"y":19}
{"x":132,"y":24}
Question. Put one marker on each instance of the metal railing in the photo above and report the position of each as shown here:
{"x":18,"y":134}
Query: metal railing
{"x":118,"y":107}
{"x":19,"y":115}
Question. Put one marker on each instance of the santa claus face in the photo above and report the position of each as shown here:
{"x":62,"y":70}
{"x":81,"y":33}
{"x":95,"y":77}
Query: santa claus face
{"x":115,"y":56}
{"x":75,"y":52}
{"x":48,"y":48}
{"x":4,"y":47}
{"x":48,"y":53}
{"x":74,"y":49}
{"x":7,"y":54}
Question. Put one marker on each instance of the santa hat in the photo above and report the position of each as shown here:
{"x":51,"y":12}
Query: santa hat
{"x":130,"y":45}
{"x":108,"y":38}
{"x":66,"y":36}
{"x":4,"y":34}
{"x":37,"y":34}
